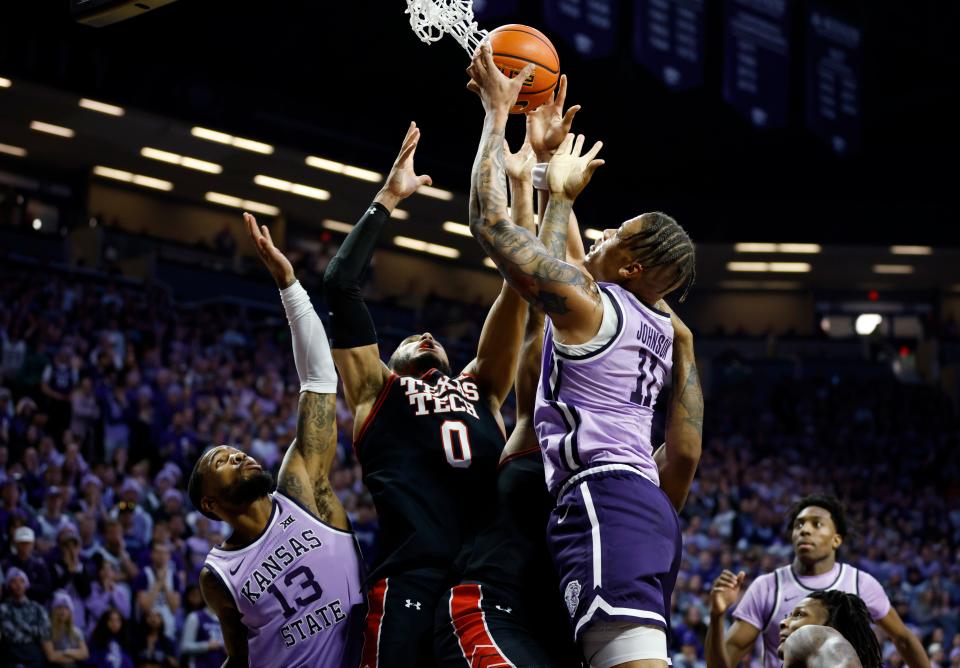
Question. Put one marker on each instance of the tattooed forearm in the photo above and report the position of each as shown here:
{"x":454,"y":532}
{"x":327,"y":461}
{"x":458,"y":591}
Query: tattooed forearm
{"x":316,"y":424}
{"x":687,"y":404}
{"x":555,"y":226}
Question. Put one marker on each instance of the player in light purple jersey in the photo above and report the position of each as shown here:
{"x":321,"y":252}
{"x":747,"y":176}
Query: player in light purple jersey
{"x":286,"y":585}
{"x":607,"y":350}
{"x":818,"y":526}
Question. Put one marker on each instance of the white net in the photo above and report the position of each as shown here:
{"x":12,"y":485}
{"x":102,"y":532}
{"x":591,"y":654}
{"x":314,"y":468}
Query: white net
{"x":432,"y":19}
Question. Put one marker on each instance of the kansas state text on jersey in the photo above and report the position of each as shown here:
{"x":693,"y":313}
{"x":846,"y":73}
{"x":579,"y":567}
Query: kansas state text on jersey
{"x":597,"y":408}
{"x":296,"y":587}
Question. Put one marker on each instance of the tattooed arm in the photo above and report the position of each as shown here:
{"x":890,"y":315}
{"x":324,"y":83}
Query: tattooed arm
{"x":496,"y":362}
{"x":305,"y":471}
{"x":569,"y":296}
{"x":678,"y":458}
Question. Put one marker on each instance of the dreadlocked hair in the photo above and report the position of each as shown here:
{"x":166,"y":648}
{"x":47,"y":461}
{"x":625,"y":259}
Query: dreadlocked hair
{"x":663,"y":242}
{"x":848,"y":614}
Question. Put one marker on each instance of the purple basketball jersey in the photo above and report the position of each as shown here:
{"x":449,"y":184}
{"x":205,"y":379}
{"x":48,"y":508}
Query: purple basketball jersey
{"x":297,"y":587}
{"x":598,"y":408}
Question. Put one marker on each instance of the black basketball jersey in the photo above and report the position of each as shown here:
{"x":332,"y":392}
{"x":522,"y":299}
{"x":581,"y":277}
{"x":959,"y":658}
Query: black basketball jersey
{"x":511,"y":553}
{"x":429,"y":452}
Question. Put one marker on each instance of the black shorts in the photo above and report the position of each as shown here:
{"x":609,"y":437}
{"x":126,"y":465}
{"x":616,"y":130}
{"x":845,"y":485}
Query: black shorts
{"x":400,"y":619}
{"x":480,"y":627}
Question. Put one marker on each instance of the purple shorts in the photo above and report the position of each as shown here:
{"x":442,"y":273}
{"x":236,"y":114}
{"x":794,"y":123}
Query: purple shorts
{"x":615,"y":540}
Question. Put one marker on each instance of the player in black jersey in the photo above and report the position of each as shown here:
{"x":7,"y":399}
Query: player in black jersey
{"x":428,"y":442}
{"x":507,"y":610}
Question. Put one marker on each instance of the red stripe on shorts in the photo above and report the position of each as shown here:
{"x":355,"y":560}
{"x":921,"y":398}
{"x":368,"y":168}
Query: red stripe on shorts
{"x":376,"y":607}
{"x":470,"y":627}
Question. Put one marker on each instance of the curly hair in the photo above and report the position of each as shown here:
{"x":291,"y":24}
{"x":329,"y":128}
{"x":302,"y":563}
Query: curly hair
{"x":848,"y":614}
{"x":829,"y":503}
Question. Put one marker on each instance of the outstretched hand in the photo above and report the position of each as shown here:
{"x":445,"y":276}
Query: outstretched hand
{"x":519,"y":165}
{"x":725,"y":591}
{"x":568,"y":172}
{"x":497,"y":91}
{"x":548,"y":125}
{"x":276,"y":262}
{"x":403,"y":181}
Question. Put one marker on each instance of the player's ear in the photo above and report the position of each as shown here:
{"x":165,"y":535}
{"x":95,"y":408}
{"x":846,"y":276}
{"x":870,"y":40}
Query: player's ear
{"x":631,"y":270}
{"x":837,"y":541}
{"x":206,"y":504}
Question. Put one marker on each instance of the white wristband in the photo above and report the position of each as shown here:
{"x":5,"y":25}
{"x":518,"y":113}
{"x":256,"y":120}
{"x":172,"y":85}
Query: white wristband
{"x":540,"y":176}
{"x":311,"y":350}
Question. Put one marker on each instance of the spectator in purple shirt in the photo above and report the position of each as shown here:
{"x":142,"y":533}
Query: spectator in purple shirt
{"x":107,"y":592}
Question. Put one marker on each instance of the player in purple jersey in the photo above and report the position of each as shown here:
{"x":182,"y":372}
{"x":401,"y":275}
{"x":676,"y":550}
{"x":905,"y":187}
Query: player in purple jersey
{"x":818,"y":527}
{"x":846,"y":614}
{"x":286,"y":585}
{"x":607,"y":351}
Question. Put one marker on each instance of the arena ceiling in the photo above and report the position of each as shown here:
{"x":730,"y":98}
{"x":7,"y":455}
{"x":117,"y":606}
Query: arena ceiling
{"x":342,"y":81}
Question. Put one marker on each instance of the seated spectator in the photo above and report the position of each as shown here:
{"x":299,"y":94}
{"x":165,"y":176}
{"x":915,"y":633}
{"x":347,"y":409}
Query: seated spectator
{"x":202,"y":642}
{"x":72,"y":573}
{"x":154,"y":649}
{"x":109,"y":647}
{"x":114,"y":550}
{"x":66,"y":646}
{"x":53,"y":519}
{"x":24,"y":624}
{"x":25,"y":559}
{"x":107,"y":593}
{"x":159,"y":587}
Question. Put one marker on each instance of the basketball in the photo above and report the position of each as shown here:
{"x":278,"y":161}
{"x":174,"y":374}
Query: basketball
{"x":514,"y":46}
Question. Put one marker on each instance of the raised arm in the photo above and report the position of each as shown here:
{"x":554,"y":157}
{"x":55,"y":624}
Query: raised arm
{"x":567,"y":295}
{"x":725,"y":648}
{"x":678,"y":458}
{"x":908,"y":645}
{"x":231,"y":623}
{"x":305,"y":471}
{"x":355,"y":348}
{"x":499,"y":346}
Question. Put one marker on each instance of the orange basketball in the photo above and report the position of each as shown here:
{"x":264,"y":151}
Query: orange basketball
{"x":514,"y":46}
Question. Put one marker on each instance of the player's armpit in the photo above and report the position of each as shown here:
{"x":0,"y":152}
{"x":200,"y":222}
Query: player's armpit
{"x":363,"y":375}
{"x":234,"y":631}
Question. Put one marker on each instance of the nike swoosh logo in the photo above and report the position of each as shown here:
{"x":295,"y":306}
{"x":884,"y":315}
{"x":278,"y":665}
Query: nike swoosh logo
{"x":234,"y":571}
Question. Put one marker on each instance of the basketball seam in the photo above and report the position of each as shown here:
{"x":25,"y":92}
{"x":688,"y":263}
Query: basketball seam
{"x":526,"y":60}
{"x":516,"y":28}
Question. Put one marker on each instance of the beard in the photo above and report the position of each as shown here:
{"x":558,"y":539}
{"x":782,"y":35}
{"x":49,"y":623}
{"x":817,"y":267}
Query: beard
{"x":245,"y":491}
{"x":419,"y":364}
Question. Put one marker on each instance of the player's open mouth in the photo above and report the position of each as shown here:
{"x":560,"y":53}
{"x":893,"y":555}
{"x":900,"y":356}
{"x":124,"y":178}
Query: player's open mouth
{"x":252,"y":465}
{"x":426,"y":345}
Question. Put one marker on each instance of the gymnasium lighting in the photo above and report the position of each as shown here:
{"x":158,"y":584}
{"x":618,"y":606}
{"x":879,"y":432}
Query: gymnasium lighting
{"x":13,"y":150}
{"x":238,"y":203}
{"x":102,"y":107}
{"x":293,"y":188}
{"x":183,"y":161}
{"x":5,"y":83}
{"x":51,"y":129}
{"x":400,"y":214}
{"x":893,"y":269}
{"x":130,"y":177}
{"x":911,"y":250}
{"x":436,"y":193}
{"x":774,"y":267}
{"x":867,"y":323}
{"x":593,"y":234}
{"x":457,"y":228}
{"x":754,"y":247}
{"x":37,"y":223}
{"x":230,"y":140}
{"x":425,"y":247}
{"x":337,"y":226}
{"x":760,"y":285}
{"x":346,"y":170}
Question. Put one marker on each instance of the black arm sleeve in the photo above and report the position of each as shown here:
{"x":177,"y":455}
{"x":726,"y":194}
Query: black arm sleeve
{"x":350,"y":323}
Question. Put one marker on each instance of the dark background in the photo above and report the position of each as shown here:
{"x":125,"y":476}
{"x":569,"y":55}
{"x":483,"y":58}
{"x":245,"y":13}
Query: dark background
{"x":345,"y":78}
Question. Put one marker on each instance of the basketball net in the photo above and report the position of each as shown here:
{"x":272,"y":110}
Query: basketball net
{"x":432,"y":19}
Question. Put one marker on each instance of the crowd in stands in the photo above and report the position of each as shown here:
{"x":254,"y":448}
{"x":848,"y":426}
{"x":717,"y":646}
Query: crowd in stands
{"x":109,"y":391}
